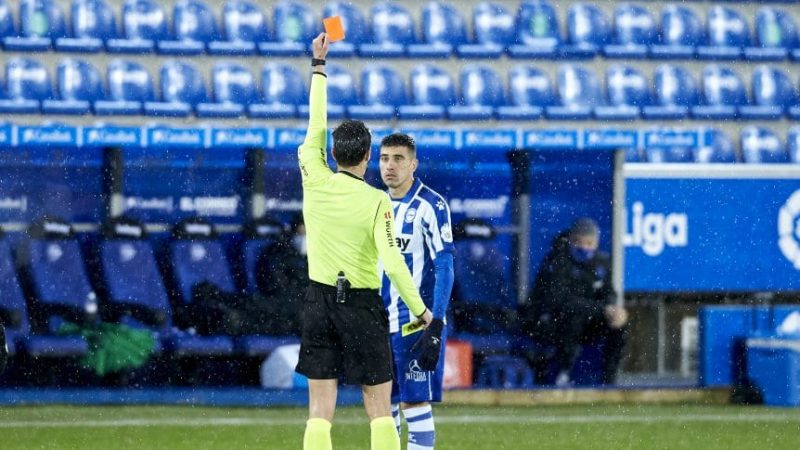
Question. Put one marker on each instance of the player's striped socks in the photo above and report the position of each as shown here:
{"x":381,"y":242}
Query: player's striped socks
{"x":421,"y":432}
{"x":318,"y":435}
{"x":396,"y":417}
{"x":384,"y":434}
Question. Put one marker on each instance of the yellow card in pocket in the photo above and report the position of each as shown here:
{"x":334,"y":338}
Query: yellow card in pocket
{"x":412,"y":327}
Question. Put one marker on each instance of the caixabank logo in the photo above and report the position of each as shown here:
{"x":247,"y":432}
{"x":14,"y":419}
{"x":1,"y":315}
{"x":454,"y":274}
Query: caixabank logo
{"x":789,"y":229}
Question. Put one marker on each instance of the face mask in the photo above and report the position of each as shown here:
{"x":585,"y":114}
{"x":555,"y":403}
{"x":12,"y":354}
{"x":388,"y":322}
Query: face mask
{"x":299,"y":243}
{"x":581,"y":255}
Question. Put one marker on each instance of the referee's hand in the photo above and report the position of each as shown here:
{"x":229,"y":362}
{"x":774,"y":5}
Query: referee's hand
{"x":319,"y":47}
{"x":427,"y":317}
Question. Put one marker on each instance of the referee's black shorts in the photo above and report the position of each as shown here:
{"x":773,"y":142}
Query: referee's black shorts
{"x":349,"y":341}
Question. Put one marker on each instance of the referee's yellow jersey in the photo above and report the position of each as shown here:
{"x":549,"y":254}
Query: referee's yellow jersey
{"x":349,"y":224}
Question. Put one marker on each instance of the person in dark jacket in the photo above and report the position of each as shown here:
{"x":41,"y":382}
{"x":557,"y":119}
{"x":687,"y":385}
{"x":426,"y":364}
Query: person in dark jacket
{"x":573,"y":302}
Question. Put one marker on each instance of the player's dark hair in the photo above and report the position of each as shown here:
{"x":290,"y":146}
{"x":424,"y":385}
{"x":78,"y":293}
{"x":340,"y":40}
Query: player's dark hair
{"x":401,"y":140}
{"x":351,"y":142}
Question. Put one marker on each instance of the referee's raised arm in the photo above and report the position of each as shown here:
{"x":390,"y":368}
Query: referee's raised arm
{"x":311,"y":154}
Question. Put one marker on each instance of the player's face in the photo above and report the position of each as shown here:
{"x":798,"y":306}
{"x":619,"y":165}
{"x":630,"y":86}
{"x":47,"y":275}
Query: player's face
{"x":589,"y":242}
{"x":397,"y":166}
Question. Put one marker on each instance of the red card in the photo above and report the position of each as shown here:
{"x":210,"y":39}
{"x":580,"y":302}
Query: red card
{"x":333,"y":28}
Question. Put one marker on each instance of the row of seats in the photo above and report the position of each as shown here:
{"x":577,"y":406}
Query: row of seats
{"x":390,"y":31}
{"x":432,"y":94}
{"x":758,"y":145}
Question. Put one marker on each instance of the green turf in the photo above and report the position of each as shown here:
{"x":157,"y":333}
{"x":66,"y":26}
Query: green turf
{"x":463,"y":428}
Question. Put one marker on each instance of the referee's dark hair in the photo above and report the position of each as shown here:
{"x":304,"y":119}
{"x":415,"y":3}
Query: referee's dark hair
{"x":351,"y":142}
{"x":401,"y":140}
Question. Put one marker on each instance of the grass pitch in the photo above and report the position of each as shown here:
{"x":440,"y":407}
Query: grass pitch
{"x":458,"y":427}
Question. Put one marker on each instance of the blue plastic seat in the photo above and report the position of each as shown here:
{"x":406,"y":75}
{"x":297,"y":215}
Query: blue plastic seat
{"x":78,"y":85}
{"x":537,"y":31}
{"x":773,"y":94}
{"x":182,"y":89}
{"x":775,"y":35}
{"x":382,"y":92}
{"x":283,"y":90}
{"x":762,"y":146}
{"x":529,"y":92}
{"x":494,"y":31}
{"x":793,"y":145}
{"x":27,"y":85}
{"x":41,"y":22}
{"x":393,"y":29}
{"x":660,"y":155}
{"x":144,"y":22}
{"x":443,"y":29}
{"x":680,"y":33}
{"x":481,"y":93}
{"x":722,"y":94}
{"x":634,"y":32}
{"x":727,"y":35}
{"x":233,"y":89}
{"x":717,"y":149}
{"x":294,"y":25}
{"x":243,"y":26}
{"x":341,"y":92}
{"x":627,"y":92}
{"x":432,"y":92}
{"x":93,"y":22}
{"x":7,"y":27}
{"x":587,"y":31}
{"x":504,"y":372}
{"x":136,"y":294}
{"x":578,"y":93}
{"x":674,"y":94}
{"x":129,"y":87}
{"x":355,"y":26}
{"x":193,"y":26}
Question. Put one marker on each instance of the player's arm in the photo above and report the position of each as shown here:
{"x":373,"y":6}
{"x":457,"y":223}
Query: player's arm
{"x":394,"y":264}
{"x":439,"y":238}
{"x":311,"y":154}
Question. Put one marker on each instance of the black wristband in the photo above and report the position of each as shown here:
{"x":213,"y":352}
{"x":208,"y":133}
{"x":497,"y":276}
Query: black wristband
{"x":317,"y":62}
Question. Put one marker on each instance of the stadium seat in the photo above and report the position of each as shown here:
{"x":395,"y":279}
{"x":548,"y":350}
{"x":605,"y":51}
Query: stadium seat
{"x":341,"y":92}
{"x":793,"y":145}
{"x":52,"y":265}
{"x":493,"y":28}
{"x":504,"y":372}
{"x":537,"y":31}
{"x":722,"y":94}
{"x":772,"y":92}
{"x":193,"y":26}
{"x":443,"y":29}
{"x":578,"y":93}
{"x":144,"y":22}
{"x":762,"y":146}
{"x":182,"y":89}
{"x":354,"y":24}
{"x":93,"y":23}
{"x":432,"y":92}
{"x":659,"y":155}
{"x":18,"y":327}
{"x":283,"y":90}
{"x":7,"y":28}
{"x":79,"y":85}
{"x":233,"y":89}
{"x":675,"y":92}
{"x":41,"y":22}
{"x":680,"y":33}
{"x":27,"y":85}
{"x":633,"y":155}
{"x":727,"y":35}
{"x":243,"y":26}
{"x":717,"y":148}
{"x":530,"y":91}
{"x":392,"y":31}
{"x":587,"y":31}
{"x":135,"y":294}
{"x":775,"y":35}
{"x":295,"y":26}
{"x":129,"y":87}
{"x":634,"y":32}
{"x":627,"y":92}
{"x":481,"y":93}
{"x":382,"y":92}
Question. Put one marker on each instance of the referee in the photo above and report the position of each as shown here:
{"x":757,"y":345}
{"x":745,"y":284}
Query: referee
{"x":349,"y":226}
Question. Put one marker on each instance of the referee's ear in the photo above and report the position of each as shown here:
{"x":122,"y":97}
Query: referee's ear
{"x":368,"y":155}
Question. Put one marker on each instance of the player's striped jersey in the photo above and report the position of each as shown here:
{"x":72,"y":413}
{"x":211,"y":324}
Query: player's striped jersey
{"x":422,"y":231}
